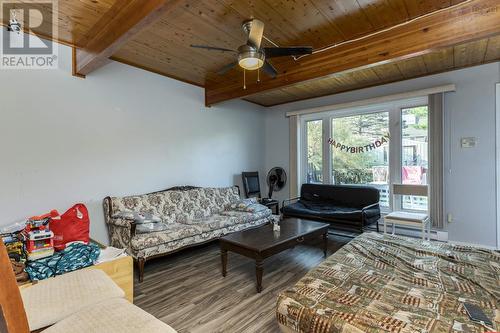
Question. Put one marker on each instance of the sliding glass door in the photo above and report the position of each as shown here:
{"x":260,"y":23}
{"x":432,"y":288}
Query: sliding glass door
{"x":415,"y":153}
{"x":314,"y":157}
{"x":360,"y":151}
{"x":376,"y":145}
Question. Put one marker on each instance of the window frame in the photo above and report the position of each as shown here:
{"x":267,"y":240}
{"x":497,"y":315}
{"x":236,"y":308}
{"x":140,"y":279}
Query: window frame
{"x":399,"y":203}
{"x":394,"y":110}
{"x":303,"y":149}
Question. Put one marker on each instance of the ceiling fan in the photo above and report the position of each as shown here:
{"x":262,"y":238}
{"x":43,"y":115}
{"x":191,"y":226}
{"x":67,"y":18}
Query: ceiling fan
{"x":251,"y":56}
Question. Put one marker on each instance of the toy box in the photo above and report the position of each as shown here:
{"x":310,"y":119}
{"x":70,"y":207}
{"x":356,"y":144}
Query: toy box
{"x":38,"y":238}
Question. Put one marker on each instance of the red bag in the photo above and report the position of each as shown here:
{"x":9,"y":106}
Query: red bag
{"x":72,"y":226}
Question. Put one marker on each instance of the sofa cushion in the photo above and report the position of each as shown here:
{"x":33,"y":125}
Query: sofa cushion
{"x":176,"y":206}
{"x":147,"y":203}
{"x":145,"y":222}
{"x":242,"y":205}
{"x":327,"y":211}
{"x":197,"y":239}
{"x":356,"y":196}
{"x":228,"y":218}
{"x":174,"y":231}
{"x":223,"y":196}
{"x":213,"y":222}
{"x":138,"y":217}
{"x":247,"y":205}
{"x":245,"y":217}
{"x":198,"y":203}
{"x":54,"y":299}
{"x":111,"y":316}
{"x":144,"y":228}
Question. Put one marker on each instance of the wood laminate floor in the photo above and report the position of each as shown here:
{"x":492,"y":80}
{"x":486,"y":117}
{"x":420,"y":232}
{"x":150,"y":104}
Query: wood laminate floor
{"x":187,"y":290}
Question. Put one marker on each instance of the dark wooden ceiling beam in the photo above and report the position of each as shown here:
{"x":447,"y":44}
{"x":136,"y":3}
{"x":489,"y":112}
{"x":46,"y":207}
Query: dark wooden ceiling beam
{"x":468,"y":21}
{"x":125,"y":19}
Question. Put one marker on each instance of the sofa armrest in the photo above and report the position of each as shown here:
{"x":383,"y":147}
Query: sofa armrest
{"x":117,"y":222}
{"x":375,"y":205}
{"x":287,"y":201}
{"x":370,"y":210}
{"x":121,"y":231}
{"x":124,"y":223}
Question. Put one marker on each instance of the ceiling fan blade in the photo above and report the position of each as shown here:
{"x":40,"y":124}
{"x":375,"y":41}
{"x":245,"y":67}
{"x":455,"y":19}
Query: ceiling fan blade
{"x":255,"y":34}
{"x":213,"y":48}
{"x":272,"y":52}
{"x":226,"y":68}
{"x":269,"y":69}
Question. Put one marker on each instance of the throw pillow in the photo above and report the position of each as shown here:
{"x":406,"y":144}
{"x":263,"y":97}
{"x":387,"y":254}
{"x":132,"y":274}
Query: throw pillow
{"x":248,"y":205}
{"x":255,"y":208}
{"x":241,"y":205}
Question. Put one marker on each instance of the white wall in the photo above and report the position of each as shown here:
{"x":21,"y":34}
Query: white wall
{"x":470,"y":173}
{"x":120,"y":131}
{"x":125,"y":131}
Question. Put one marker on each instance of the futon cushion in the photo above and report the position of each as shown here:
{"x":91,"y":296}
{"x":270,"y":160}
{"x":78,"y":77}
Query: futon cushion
{"x":54,"y":299}
{"x":307,"y":208}
{"x":356,"y":196}
{"x":111,"y":316}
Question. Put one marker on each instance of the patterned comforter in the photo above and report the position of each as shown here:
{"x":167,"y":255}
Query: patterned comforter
{"x":380,"y":283}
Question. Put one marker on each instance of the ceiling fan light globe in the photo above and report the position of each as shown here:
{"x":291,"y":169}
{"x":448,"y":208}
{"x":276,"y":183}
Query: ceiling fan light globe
{"x":249,"y":58}
{"x":251,"y":63}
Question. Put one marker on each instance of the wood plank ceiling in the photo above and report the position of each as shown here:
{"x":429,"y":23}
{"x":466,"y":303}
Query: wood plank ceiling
{"x":164,"y":46}
{"x":460,"y":56}
{"x":75,"y":18}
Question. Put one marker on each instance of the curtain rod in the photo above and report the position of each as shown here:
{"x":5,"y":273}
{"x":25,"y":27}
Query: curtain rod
{"x":375,"y":100}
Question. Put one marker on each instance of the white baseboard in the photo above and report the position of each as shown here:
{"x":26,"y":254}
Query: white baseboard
{"x":438,"y":235}
{"x":475,"y":245}
{"x":417,"y":233}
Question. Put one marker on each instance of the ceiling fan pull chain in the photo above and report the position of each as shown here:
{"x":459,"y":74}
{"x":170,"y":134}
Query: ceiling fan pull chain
{"x":244,"y":79}
{"x":258,"y":75}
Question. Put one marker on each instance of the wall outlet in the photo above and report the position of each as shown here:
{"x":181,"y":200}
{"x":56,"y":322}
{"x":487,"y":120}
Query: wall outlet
{"x":442,"y":236}
{"x":449,"y":218}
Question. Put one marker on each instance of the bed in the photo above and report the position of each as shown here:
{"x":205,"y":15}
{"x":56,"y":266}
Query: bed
{"x":380,"y":283}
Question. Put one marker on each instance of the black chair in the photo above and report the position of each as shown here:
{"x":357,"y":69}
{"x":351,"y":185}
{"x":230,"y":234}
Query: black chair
{"x":251,"y":186}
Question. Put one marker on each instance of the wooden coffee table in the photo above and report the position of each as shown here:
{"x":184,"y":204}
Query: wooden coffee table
{"x":262,"y":242}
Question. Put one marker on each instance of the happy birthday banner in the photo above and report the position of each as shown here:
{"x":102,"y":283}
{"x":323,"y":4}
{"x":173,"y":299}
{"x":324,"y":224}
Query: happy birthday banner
{"x":359,"y":149}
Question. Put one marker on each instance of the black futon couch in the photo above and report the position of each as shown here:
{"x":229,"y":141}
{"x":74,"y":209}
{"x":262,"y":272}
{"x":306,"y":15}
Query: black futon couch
{"x":344,"y":206}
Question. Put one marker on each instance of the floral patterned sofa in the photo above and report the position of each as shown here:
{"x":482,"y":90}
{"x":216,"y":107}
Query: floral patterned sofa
{"x":186,"y":218}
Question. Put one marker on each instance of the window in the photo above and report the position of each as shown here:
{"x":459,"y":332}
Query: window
{"x":314,"y":162}
{"x":376,"y":145}
{"x":415,"y":158}
{"x":366,"y":163}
